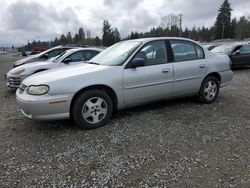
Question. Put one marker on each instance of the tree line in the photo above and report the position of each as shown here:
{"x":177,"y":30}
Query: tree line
{"x":225,"y":27}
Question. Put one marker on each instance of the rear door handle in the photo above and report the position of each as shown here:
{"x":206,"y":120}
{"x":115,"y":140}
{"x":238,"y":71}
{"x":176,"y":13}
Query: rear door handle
{"x":202,"y":66}
{"x":165,"y":70}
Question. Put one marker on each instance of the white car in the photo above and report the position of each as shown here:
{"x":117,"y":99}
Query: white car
{"x":70,"y":57}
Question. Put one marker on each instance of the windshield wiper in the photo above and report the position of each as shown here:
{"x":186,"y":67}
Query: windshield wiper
{"x":91,"y":62}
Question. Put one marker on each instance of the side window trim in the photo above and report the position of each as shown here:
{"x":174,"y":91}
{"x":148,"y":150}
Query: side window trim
{"x":128,"y":66}
{"x":195,"y":51}
{"x":170,"y":52}
{"x":202,"y":50}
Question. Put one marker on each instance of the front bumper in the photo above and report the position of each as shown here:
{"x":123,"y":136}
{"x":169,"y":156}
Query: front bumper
{"x":44,"y":107}
{"x":14,"y":81}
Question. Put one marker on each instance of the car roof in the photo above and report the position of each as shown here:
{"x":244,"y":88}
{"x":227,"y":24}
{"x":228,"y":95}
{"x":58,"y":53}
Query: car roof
{"x":161,"y":38}
{"x":145,"y":40}
{"x":80,"y":49}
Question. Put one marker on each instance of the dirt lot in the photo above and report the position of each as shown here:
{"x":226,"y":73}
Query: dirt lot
{"x":173,"y":144}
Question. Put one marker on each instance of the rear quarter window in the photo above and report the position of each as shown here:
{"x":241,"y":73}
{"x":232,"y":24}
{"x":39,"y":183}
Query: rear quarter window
{"x":200,"y":52}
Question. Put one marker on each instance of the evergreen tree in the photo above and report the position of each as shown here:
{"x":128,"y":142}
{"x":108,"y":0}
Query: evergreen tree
{"x":56,"y":42}
{"x":69,"y":38}
{"x":243,"y":28}
{"x":117,"y":35}
{"x":108,"y":37}
{"x":223,"y":21}
{"x":185,"y":34}
{"x":233,"y":28}
{"x":81,"y":35}
{"x":76,"y":39}
{"x":63,"y":39}
{"x":97,"y":41}
{"x":134,"y":35}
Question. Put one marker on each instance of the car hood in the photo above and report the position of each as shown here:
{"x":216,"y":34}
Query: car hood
{"x":64,"y":73}
{"x":36,"y":64}
{"x":25,"y":60}
{"x":29,"y":66}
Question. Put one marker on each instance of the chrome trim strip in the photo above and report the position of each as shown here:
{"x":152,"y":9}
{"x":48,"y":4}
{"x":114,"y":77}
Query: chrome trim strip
{"x":189,"y":78}
{"x":150,"y":84}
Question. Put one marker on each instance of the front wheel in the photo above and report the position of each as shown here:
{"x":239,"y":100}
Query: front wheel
{"x":92,"y":109}
{"x":209,"y":90}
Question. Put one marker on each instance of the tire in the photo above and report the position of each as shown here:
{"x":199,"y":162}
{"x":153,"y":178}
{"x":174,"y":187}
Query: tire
{"x":209,"y":90}
{"x":92,"y":109}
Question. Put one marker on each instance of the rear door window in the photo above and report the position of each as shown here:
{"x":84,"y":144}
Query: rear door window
{"x":186,"y":51}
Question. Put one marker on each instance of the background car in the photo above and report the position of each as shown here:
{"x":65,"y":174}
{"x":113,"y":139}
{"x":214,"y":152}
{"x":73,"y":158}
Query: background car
{"x":43,"y":56}
{"x":70,"y":57}
{"x":238,"y":53}
{"x":211,"y":46}
{"x":127,"y":74}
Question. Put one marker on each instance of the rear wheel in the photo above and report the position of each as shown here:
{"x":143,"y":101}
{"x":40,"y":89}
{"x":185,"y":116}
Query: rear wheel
{"x":209,"y":90}
{"x":92,"y":109}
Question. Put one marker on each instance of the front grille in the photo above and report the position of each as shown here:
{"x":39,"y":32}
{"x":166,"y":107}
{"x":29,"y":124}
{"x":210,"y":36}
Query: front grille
{"x":13,"y":82}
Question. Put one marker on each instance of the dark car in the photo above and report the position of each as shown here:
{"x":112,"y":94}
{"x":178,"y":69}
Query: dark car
{"x":53,"y":52}
{"x":238,"y":53}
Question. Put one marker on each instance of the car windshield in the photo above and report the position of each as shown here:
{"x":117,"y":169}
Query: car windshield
{"x":58,"y":57}
{"x":224,"y":49}
{"x":52,"y":58}
{"x":117,"y":54}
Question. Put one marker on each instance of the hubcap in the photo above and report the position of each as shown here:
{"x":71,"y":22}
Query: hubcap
{"x":210,"y":90}
{"x":94,"y":110}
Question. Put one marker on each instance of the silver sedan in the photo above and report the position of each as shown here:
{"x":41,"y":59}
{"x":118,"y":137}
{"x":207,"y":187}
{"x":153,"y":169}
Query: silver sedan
{"x":127,"y":74}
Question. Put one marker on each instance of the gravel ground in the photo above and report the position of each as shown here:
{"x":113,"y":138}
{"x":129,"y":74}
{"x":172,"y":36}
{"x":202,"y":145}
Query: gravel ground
{"x":178,"y":143}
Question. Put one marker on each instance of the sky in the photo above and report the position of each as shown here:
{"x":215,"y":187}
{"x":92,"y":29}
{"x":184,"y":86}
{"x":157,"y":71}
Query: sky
{"x":27,"y":20}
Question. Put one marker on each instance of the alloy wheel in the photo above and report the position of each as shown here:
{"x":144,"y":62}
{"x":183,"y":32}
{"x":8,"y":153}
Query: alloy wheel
{"x":211,"y":89}
{"x":94,"y":110}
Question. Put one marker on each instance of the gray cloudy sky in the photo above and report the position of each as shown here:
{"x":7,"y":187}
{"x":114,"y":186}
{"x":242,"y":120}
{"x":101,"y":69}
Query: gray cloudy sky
{"x":23,"y":20}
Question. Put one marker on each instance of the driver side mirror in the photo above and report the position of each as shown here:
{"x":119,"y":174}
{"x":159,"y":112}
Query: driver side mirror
{"x":137,"y":62}
{"x":237,"y":52}
{"x":67,"y":60}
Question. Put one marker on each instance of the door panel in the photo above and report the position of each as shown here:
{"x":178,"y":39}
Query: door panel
{"x":243,"y":58}
{"x":189,"y":66}
{"x":240,"y":59}
{"x":188,"y":76}
{"x":153,"y":81}
{"x":149,"y":83}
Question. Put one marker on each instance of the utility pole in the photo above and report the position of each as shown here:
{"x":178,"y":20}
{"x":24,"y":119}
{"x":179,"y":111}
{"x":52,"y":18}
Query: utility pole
{"x":180,"y":24}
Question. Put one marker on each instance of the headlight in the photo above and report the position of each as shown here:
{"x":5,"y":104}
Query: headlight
{"x":38,"y":90}
{"x":18,"y":71}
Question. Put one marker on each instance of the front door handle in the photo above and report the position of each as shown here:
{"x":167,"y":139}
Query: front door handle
{"x":165,"y":70}
{"x":202,"y":66}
